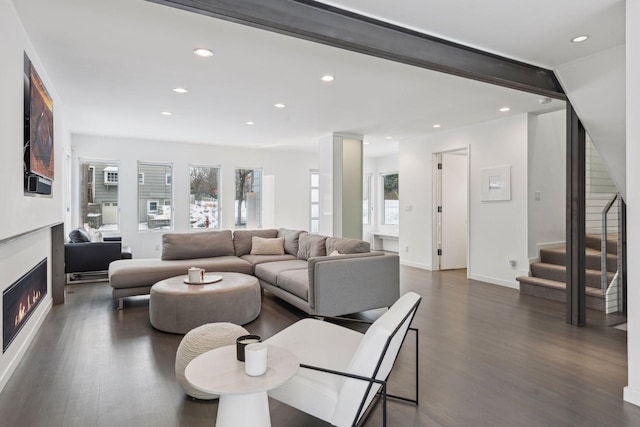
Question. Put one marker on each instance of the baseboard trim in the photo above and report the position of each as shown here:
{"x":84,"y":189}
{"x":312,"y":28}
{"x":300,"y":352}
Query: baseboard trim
{"x":631,"y":395}
{"x":416,"y":265}
{"x":495,"y":281}
{"x":13,"y":363}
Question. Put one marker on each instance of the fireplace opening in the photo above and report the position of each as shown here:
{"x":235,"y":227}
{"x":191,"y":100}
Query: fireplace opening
{"x":20,"y":300}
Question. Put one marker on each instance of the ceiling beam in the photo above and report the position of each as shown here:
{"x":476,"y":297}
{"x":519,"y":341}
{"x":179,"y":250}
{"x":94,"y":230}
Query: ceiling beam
{"x":328,"y":25}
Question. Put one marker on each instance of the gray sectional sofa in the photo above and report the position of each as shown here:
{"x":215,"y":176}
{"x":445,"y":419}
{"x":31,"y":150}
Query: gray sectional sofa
{"x":323,"y":276}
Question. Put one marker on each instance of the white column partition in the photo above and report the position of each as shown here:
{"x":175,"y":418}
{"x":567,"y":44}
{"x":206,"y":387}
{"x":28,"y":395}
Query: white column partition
{"x":340,"y":169}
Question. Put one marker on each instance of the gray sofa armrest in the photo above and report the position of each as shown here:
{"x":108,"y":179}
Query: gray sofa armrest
{"x":351,"y":283}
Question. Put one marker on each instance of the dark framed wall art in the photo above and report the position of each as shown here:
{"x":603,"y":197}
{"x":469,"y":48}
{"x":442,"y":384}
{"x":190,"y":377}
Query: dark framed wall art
{"x":38,"y":148}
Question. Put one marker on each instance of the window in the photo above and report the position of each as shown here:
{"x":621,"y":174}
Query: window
{"x":248,"y":209}
{"x":314,"y":222}
{"x":391,"y":207}
{"x":366,"y":200}
{"x":111,"y":175}
{"x":204,"y":199}
{"x":152,"y":206}
{"x":155,"y":196}
{"x":99,"y":199}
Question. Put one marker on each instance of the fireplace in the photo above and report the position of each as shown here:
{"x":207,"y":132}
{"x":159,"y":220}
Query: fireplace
{"x":20,"y":300}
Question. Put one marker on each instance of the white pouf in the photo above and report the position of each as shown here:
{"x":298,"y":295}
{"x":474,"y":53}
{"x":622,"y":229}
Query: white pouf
{"x":200,"y":340}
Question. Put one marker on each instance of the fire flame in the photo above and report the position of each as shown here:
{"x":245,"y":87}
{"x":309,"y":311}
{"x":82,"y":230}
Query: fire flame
{"x":25,"y":308}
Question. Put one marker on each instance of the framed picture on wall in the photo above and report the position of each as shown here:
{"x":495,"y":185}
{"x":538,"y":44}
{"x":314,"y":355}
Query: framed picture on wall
{"x":495,"y":183}
{"x":38,"y":143}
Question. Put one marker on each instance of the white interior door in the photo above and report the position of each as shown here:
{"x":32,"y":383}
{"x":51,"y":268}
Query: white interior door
{"x":454,"y":211}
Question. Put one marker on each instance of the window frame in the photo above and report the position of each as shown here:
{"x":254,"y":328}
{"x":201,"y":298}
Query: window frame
{"x":90,"y":184}
{"x":155,"y":197}
{"x":383,"y":210}
{"x":366,"y":189}
{"x":219,"y":195}
{"x":241,"y":226}
{"x":312,"y":173}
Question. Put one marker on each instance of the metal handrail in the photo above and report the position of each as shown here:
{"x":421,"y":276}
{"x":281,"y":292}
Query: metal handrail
{"x":604,"y":282}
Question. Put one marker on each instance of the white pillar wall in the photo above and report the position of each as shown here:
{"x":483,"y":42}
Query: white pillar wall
{"x":340,"y":170}
{"x":632,"y":391}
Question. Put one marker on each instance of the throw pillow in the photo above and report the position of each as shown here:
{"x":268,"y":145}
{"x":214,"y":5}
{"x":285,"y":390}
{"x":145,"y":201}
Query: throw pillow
{"x":79,"y":235}
{"x":311,"y":245}
{"x":335,"y":253}
{"x":347,"y":246}
{"x":291,"y":240}
{"x":242,"y":239}
{"x":262,"y":246}
{"x":203,"y":244}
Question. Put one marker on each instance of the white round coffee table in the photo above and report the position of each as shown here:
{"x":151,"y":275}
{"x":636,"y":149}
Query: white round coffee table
{"x":178,"y":307}
{"x":243,"y":399}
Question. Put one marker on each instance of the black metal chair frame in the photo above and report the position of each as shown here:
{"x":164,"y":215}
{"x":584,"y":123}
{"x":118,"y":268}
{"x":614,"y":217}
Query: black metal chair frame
{"x":382,"y":394}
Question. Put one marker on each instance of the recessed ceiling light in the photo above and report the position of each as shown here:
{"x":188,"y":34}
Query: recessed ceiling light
{"x":203,"y":52}
{"x":328,"y":78}
{"x":166,"y":113}
{"x":250,"y":123}
{"x":366,"y":142}
{"x":436,"y":126}
{"x":179,"y":90}
{"x":580,"y":39}
{"x":279,"y":105}
{"x":388,"y":137}
{"x":505,"y":109}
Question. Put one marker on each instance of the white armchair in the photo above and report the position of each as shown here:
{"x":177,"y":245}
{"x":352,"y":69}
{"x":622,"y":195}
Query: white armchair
{"x":342,"y":370}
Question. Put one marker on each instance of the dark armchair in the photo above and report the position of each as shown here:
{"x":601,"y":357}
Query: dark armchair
{"x":81,"y":255}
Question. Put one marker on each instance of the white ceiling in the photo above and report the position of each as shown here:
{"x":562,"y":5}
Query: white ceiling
{"x":534,"y":31}
{"x":114,"y":63}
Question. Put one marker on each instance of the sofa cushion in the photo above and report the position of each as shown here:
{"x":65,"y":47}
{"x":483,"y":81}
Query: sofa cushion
{"x":347,"y":246}
{"x":311,"y":245}
{"x":295,"y":282}
{"x":242,"y":239}
{"x":262,"y":246}
{"x":291,"y":240}
{"x":259,"y":259}
{"x":79,"y":235}
{"x":269,"y":271}
{"x":197,"y":245}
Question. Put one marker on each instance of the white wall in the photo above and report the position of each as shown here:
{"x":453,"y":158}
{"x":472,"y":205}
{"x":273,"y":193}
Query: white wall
{"x":291,"y":192}
{"x":547,"y":172}
{"x":595,"y":86}
{"x":497,"y":230}
{"x":632,"y":391}
{"x":23,"y":213}
{"x":20,"y":214}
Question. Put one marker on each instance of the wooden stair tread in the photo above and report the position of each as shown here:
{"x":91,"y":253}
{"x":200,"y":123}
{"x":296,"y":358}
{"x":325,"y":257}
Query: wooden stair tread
{"x":595,"y":292}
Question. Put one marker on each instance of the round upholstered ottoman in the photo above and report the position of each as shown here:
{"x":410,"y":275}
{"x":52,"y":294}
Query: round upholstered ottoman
{"x":198,"y":341}
{"x":177,"y":307}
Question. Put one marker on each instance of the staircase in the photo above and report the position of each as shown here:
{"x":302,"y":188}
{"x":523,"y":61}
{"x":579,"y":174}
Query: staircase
{"x":547,"y":278}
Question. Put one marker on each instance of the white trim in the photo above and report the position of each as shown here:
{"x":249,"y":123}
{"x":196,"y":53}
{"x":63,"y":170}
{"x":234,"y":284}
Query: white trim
{"x":631,"y":395}
{"x":416,"y":265}
{"x":494,"y":281}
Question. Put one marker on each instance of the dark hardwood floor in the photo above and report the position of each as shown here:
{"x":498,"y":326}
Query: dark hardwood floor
{"x":488,"y":357}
